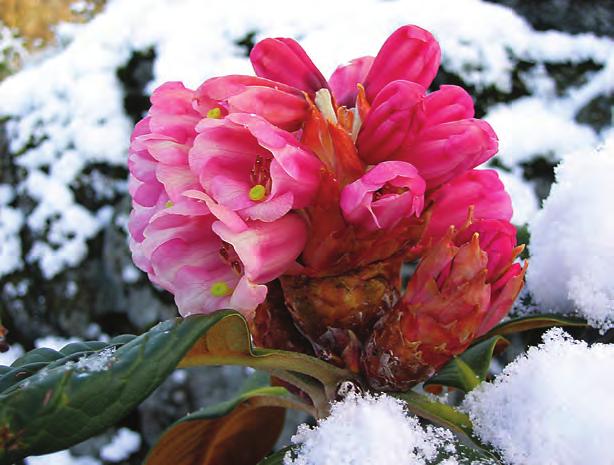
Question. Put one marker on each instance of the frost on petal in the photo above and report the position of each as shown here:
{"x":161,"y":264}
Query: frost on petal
{"x":552,"y":405}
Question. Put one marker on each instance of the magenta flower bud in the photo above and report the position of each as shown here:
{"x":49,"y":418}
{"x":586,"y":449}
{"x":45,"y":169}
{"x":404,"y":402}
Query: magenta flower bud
{"x":281,"y":105}
{"x":480,"y":190}
{"x":285,"y":61}
{"x":384,"y":196}
{"x":444,"y":151}
{"x":344,"y":81}
{"x":409,"y":54}
{"x":396,"y":115}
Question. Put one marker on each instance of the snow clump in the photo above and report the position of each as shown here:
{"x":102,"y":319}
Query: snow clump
{"x":369,"y":430}
{"x":551,"y":406}
{"x":572,"y":252}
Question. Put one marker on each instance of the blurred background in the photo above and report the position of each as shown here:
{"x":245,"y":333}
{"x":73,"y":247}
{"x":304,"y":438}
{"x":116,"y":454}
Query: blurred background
{"x":75,"y":75}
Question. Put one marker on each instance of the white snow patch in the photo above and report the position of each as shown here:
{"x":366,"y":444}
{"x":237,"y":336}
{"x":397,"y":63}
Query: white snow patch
{"x":61,"y":458}
{"x":125,"y":443}
{"x":551,"y":406}
{"x":15,"y":351}
{"x":55,"y":342}
{"x":572,"y":251}
{"x":369,"y":430}
{"x":532,"y":126}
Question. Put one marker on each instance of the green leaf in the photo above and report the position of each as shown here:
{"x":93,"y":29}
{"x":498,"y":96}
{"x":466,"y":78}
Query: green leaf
{"x":276,"y":458}
{"x":64,"y":402}
{"x":470,"y":368}
{"x":239,"y":432}
{"x":437,"y":413}
{"x":229,"y":343}
{"x":536,"y":321}
{"x":37,"y":359}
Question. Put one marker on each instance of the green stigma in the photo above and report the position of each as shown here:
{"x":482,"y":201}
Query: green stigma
{"x":220,"y":289}
{"x":257,"y":192}
{"x":215,"y":113}
{"x":169,"y":204}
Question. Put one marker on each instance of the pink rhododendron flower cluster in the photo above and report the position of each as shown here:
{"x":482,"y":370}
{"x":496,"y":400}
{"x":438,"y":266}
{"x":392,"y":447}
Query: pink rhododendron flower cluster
{"x":327,"y":185}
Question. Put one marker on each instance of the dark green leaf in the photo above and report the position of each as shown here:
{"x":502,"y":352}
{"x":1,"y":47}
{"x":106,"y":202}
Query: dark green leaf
{"x":65,"y":403}
{"x":526,"y":323}
{"x":276,"y":458}
{"x":466,"y":371}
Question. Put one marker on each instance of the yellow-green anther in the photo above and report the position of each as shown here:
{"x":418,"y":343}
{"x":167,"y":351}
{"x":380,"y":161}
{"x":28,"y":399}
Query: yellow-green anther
{"x":169,"y":204}
{"x":215,"y":113}
{"x":220,"y":289}
{"x":257,"y":193}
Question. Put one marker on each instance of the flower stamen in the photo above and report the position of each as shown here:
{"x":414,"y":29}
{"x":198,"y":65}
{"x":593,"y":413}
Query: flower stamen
{"x":220,"y":289}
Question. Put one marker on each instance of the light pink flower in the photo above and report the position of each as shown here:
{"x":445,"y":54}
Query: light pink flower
{"x":189,"y":260}
{"x":281,"y":105}
{"x":254,"y":168}
{"x":482,"y":190}
{"x":385,"y":195}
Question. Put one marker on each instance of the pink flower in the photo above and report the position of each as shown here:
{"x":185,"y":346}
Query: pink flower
{"x":344,"y":81}
{"x":480,"y":190}
{"x":384,"y":196}
{"x":436,"y":133}
{"x":284,"y":60}
{"x":409,"y":54}
{"x":281,"y":105}
{"x":189,"y":260}
{"x":254,"y":168}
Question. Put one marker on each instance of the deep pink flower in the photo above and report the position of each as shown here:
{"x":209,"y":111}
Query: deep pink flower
{"x":284,"y":60}
{"x":384,"y":196}
{"x":281,"y":105}
{"x":436,"y":133}
{"x":254,"y":168}
{"x":410,"y":54}
{"x":480,"y":190}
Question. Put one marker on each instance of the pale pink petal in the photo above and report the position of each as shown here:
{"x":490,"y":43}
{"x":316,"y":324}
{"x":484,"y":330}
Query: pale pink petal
{"x":266,"y":250}
{"x":344,"y":81}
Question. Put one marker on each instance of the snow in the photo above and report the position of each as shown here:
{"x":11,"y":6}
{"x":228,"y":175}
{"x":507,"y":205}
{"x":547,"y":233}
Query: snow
{"x":11,"y":222}
{"x":55,"y":342}
{"x":122,"y":446}
{"x":99,"y":361}
{"x":369,"y":430}
{"x":533,"y":126}
{"x":15,"y":351}
{"x":572,"y":252}
{"x":551,"y":406}
{"x":61,"y":458}
{"x":66,"y":107}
